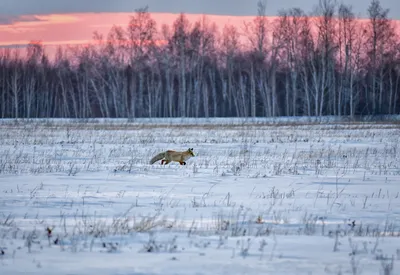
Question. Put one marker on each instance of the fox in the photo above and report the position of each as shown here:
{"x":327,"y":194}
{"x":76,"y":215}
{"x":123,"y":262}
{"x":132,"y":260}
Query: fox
{"x":170,"y":155}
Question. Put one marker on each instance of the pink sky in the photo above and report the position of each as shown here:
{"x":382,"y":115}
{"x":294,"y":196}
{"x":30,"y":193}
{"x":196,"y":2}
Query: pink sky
{"x":77,"y":28}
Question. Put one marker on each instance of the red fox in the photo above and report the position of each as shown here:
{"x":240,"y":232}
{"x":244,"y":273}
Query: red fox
{"x":170,"y":155}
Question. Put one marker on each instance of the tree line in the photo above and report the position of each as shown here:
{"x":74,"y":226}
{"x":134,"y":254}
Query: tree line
{"x":325,"y":62}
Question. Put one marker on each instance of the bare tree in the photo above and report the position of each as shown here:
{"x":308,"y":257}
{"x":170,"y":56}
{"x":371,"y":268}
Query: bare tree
{"x":323,"y":61}
{"x":257,"y":32}
{"x":293,"y":27}
{"x":230,"y":48}
{"x":141,"y":33}
{"x":179,"y":44}
{"x":380,"y":38}
{"x":346,"y":36}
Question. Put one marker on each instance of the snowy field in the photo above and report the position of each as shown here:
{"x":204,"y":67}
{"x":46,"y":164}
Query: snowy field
{"x":259,"y":197}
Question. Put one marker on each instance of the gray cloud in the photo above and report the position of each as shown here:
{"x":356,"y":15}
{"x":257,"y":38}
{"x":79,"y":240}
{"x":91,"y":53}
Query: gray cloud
{"x":14,"y":46}
{"x":222,"y":7}
{"x":9,"y":19}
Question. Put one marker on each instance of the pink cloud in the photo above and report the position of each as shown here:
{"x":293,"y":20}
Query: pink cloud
{"x":62,"y":28}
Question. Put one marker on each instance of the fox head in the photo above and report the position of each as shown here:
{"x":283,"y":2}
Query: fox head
{"x":190,"y":151}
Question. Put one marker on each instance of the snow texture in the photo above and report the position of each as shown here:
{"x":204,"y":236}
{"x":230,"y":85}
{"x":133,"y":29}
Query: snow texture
{"x":260,"y":197}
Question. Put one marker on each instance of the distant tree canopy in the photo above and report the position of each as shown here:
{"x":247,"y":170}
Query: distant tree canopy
{"x":326,"y":62}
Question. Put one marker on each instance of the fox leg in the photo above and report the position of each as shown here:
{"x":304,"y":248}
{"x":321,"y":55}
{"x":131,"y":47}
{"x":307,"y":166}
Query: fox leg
{"x":182,"y":163}
{"x":166,"y":161}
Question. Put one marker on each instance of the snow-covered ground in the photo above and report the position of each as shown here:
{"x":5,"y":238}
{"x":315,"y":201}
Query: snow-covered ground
{"x":258,"y":198}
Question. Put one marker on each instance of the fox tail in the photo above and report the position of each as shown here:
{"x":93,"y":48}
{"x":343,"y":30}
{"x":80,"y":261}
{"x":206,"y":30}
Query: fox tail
{"x":157,"y":157}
